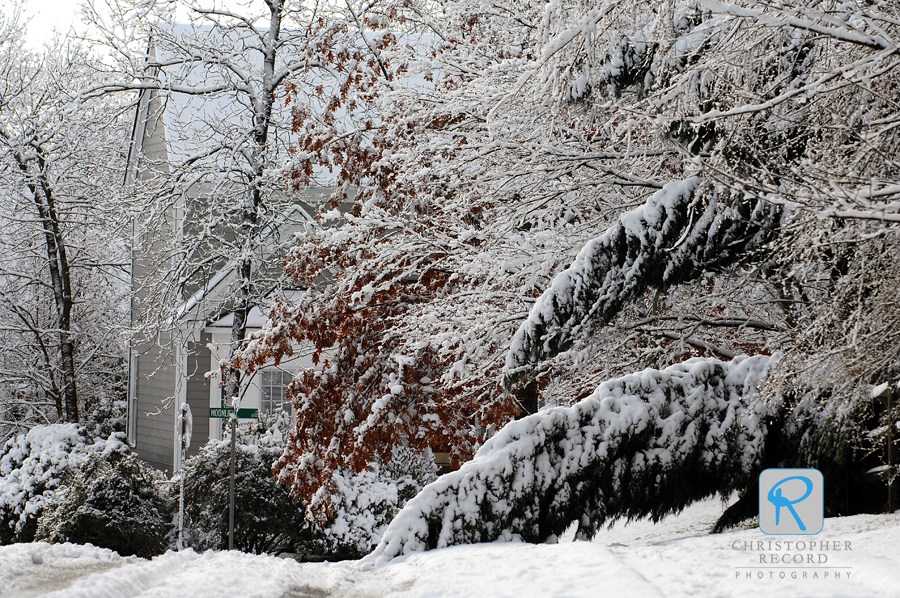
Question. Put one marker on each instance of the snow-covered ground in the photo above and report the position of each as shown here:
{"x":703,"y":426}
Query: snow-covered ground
{"x":853,"y":557}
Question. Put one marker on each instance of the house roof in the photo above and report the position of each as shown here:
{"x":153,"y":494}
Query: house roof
{"x":256,"y":318}
{"x":289,"y":223}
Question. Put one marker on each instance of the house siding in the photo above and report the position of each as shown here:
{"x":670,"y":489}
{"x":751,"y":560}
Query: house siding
{"x":155,"y":382}
{"x":199,"y":362}
{"x":155,"y":389}
{"x":154,"y":148}
{"x":154,"y":371}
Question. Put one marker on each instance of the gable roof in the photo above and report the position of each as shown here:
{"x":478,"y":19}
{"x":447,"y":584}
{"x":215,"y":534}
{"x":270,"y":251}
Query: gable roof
{"x":296,"y":218}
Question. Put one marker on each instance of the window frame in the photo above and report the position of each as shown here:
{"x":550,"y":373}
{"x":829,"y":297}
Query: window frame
{"x":268,"y":402}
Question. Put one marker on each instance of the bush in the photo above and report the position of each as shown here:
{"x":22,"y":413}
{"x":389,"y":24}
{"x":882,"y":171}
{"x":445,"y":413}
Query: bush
{"x":32,"y":466}
{"x":108,"y":418}
{"x":267,"y":518}
{"x":363,"y":504}
{"x":113,"y":501}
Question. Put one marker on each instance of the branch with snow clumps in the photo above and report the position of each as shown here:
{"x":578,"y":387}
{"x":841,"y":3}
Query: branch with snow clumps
{"x":648,"y":443}
{"x":672,"y":239}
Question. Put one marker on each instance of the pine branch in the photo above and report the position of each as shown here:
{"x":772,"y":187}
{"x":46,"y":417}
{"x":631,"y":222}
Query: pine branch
{"x":672,"y":239}
{"x":646,"y":444}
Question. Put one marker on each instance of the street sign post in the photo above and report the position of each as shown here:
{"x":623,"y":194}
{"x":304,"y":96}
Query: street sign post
{"x":233,"y":421}
{"x":187,"y":423}
{"x":226,"y":413}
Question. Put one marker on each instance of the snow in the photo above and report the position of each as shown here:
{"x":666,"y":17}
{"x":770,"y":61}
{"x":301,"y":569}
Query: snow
{"x":673,"y":558}
{"x":186,"y":424}
{"x":187,"y":573}
{"x":36,"y":568}
{"x":514,"y":570}
{"x":687,"y":562}
{"x":879,"y":390}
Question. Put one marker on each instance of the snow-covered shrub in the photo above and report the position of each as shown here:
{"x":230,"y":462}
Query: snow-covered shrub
{"x":267,"y":518}
{"x":112,"y":500}
{"x":365,"y":503}
{"x":644,"y":444}
{"x":32,"y":466}
{"x":108,"y":418}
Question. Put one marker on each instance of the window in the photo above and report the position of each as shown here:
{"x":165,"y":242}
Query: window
{"x":274,"y":384}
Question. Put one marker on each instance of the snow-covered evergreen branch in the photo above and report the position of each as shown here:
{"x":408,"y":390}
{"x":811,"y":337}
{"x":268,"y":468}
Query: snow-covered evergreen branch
{"x":648,"y":443}
{"x":671,"y":239}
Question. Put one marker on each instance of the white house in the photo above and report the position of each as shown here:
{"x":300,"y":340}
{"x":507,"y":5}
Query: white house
{"x":169,"y":370}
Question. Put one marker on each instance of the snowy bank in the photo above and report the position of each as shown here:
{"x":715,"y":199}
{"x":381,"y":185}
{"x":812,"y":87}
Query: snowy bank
{"x":31,"y":569}
{"x":675,"y":558}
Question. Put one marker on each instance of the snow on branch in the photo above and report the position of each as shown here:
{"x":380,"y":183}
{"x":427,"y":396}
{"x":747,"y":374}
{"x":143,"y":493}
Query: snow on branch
{"x":644,"y":444}
{"x":787,"y":16}
{"x":669,"y":240}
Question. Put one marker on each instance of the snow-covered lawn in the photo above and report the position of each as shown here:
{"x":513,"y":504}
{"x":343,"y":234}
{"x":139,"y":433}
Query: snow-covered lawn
{"x":673,"y":558}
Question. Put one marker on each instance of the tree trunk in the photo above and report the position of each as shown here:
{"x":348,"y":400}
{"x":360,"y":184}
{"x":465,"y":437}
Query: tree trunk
{"x":527,"y":397}
{"x":261,"y":120}
{"x":60,"y":279}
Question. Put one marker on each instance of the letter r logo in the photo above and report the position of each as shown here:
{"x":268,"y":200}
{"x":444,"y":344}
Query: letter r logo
{"x":791,"y":501}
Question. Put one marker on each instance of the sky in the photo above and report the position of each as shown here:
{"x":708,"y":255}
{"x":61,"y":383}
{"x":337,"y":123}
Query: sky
{"x":61,"y":14}
{"x":47,"y":14}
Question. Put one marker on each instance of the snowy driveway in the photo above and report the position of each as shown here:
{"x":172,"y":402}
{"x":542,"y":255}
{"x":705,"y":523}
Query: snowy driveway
{"x":497,"y":570}
{"x":28,"y":570}
{"x":673,"y":559}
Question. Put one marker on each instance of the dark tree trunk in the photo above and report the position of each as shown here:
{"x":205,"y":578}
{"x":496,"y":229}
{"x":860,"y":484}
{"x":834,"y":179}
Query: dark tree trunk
{"x":60,"y":276}
{"x":261,"y":120}
{"x":527,"y":397}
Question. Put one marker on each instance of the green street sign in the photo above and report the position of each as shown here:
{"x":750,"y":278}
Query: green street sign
{"x":225,"y":413}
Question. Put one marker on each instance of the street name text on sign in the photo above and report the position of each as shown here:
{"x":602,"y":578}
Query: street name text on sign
{"x":225,"y":413}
